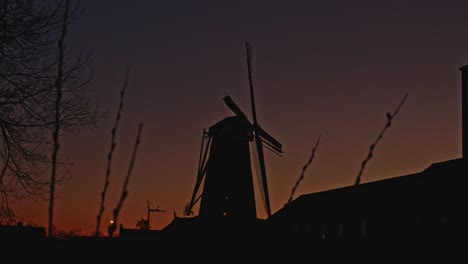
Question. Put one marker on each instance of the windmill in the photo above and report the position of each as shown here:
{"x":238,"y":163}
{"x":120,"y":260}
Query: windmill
{"x":225,"y":164}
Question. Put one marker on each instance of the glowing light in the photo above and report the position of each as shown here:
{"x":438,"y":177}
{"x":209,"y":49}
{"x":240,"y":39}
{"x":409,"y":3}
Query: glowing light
{"x":111,"y":221}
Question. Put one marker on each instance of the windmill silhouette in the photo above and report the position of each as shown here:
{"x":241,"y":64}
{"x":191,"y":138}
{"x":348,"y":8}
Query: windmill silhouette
{"x":225,"y":164}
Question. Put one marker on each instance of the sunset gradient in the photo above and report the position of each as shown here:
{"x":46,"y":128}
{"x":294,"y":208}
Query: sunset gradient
{"x":332,"y":69}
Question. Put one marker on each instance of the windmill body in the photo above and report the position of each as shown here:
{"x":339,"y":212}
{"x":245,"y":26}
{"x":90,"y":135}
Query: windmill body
{"x":228,"y":191}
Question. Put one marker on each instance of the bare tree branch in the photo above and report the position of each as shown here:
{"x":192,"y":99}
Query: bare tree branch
{"x":304,"y":168}
{"x":127,"y":178}
{"x":109,"y":156}
{"x":372,"y":147}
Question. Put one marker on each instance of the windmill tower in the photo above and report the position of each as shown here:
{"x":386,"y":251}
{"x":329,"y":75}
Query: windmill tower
{"x":225,"y":165}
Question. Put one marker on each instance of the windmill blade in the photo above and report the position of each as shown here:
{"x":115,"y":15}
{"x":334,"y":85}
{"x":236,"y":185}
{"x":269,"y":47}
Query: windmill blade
{"x":233,"y":106}
{"x":257,"y":127}
{"x":194,"y":199}
{"x":272,"y":148}
{"x":248,"y":48}
{"x":271,"y":143}
{"x":200,"y":174}
{"x":268,"y":138}
{"x":259,"y":160}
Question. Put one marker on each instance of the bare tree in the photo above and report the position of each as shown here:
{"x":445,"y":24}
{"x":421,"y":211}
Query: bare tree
{"x":143,"y":224}
{"x":58,"y":102}
{"x":30,"y":62}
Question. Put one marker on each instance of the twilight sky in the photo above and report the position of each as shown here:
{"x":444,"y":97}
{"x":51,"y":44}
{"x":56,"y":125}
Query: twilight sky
{"x":319,"y":67}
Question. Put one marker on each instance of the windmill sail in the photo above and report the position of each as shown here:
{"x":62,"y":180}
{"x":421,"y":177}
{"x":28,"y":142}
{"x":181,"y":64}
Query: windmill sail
{"x":272,"y":142}
{"x":200,"y":174}
{"x":258,"y":141}
{"x":259,"y":163}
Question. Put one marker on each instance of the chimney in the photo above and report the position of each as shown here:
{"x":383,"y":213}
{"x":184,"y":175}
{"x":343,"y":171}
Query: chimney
{"x":464,"y":102}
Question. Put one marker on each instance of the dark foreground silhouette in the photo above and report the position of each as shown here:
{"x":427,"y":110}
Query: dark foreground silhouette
{"x":236,"y":247}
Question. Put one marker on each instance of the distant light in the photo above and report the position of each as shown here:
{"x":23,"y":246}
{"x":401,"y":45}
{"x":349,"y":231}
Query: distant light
{"x":224,"y":214}
{"x":111,"y":221}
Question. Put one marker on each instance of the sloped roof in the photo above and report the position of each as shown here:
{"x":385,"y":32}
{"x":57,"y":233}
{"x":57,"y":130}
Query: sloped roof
{"x":442,"y":178}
